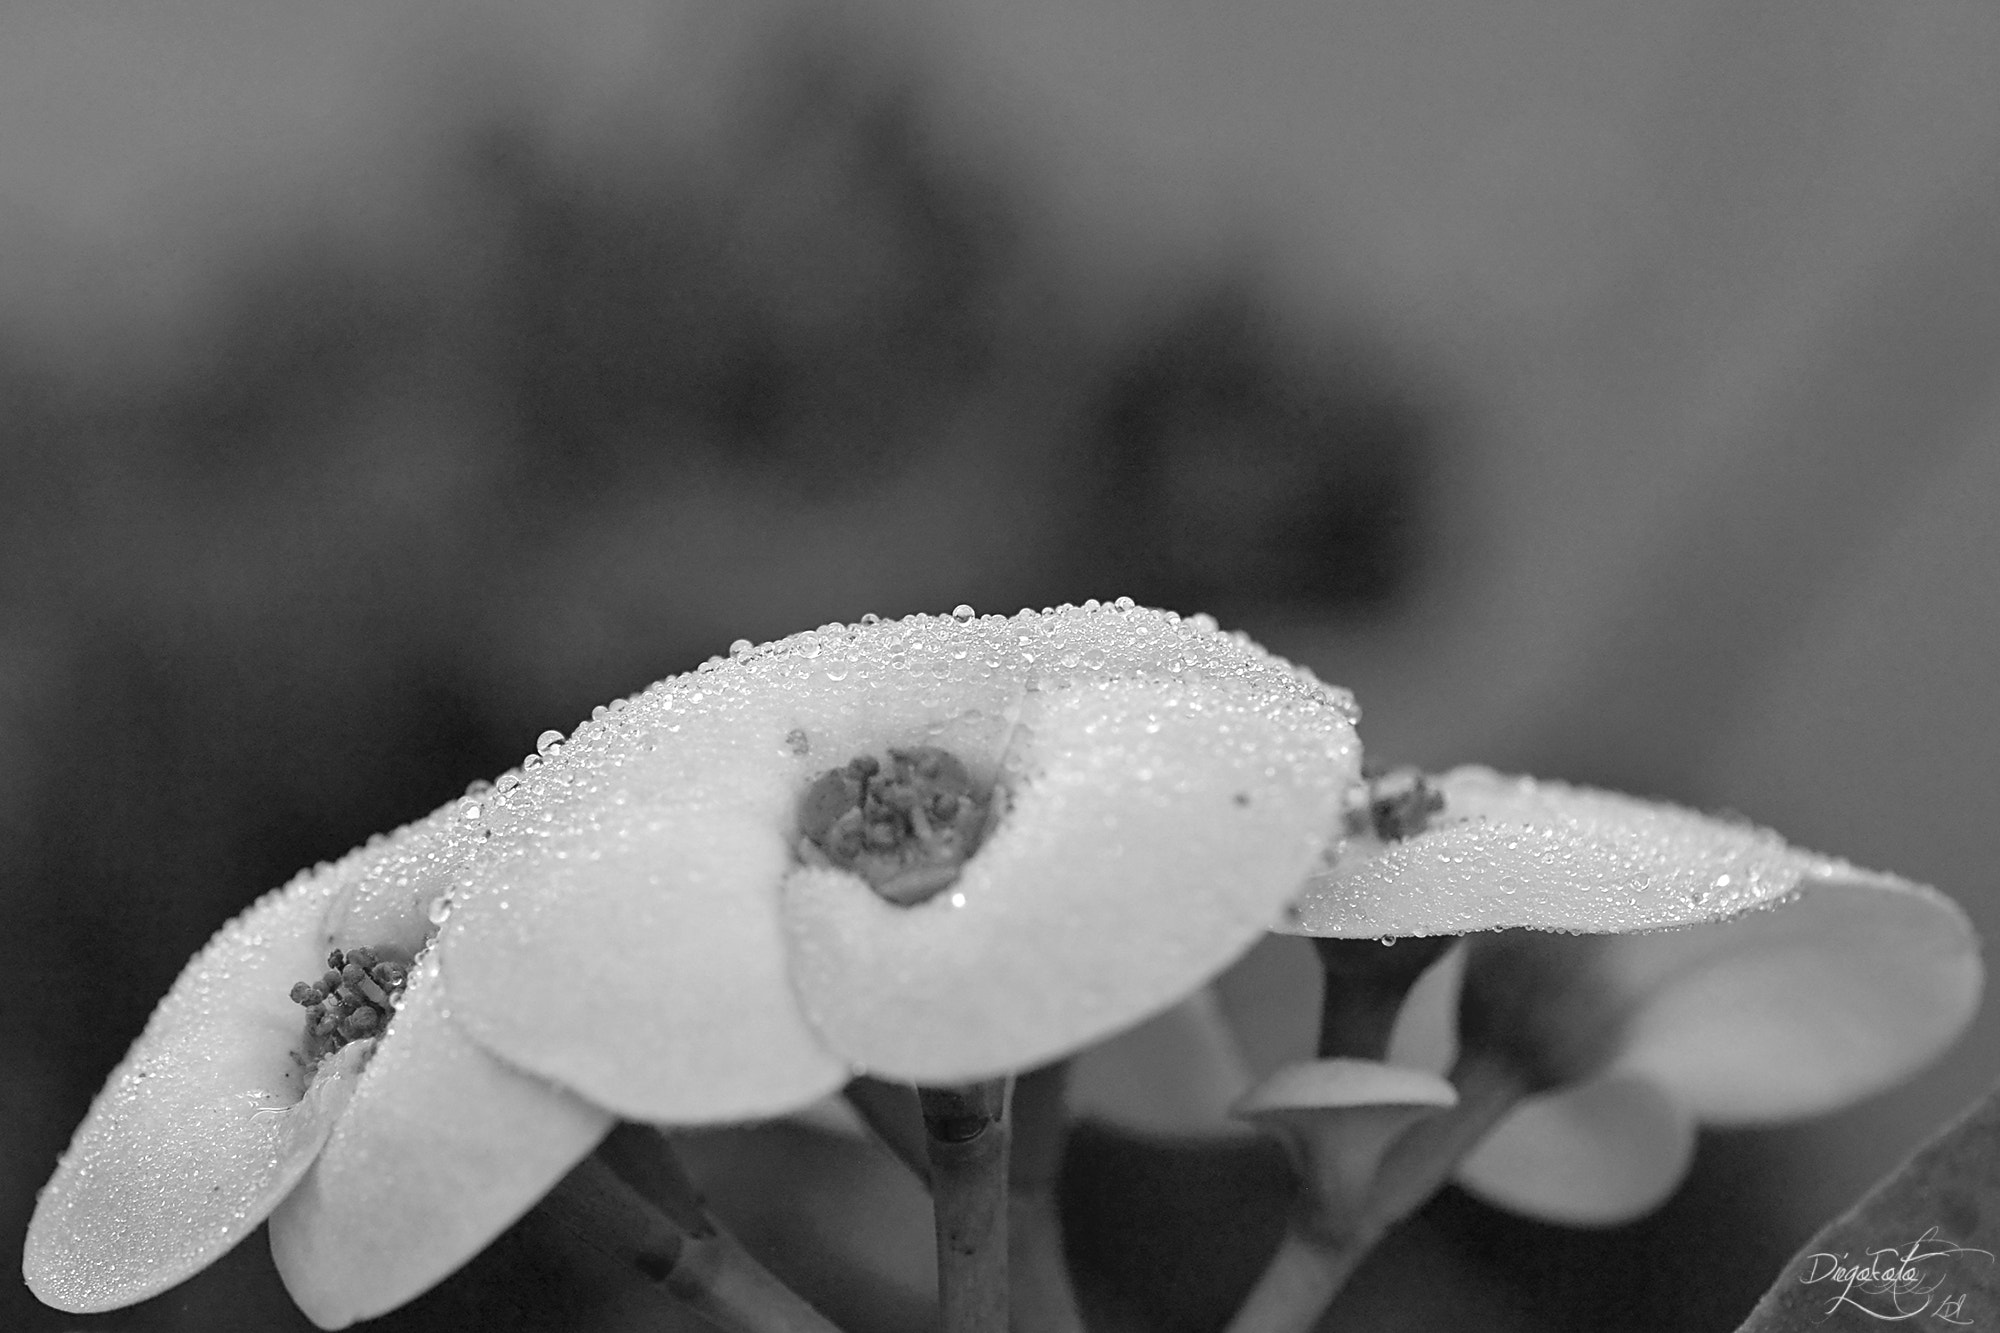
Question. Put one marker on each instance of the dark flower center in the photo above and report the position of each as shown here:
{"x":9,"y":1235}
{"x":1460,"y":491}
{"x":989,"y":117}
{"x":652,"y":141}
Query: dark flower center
{"x":906,"y":826}
{"x":1399,"y":805}
{"x":352,"y":999}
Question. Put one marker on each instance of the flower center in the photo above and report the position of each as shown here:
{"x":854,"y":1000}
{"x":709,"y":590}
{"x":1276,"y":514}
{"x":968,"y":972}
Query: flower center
{"x":353,"y":999}
{"x":906,"y":826}
{"x":1398,"y":805}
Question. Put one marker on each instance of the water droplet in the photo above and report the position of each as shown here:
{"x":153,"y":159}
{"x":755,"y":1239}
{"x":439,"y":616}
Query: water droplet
{"x":962,"y":613}
{"x":549,"y":743}
{"x":1124,"y":603}
{"x":478,"y":787}
{"x":470,"y":810}
{"x":740,"y":647}
{"x":440,"y":909}
{"x":837,"y":672}
{"x":508,"y":781}
{"x":532,"y":761}
{"x":1090,"y":604}
{"x":870,"y":618}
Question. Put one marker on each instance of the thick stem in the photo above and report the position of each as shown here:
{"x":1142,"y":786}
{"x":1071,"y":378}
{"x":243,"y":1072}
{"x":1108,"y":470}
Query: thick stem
{"x":968,"y":1129}
{"x":1300,"y":1282}
{"x":1366,"y":983}
{"x":702,"y":1266}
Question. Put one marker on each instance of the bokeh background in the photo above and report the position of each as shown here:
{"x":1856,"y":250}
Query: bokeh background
{"x":1600,"y":390}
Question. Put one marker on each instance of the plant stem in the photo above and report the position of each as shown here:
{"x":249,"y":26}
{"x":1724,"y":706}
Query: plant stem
{"x":968,"y":1129}
{"x":702,"y":1267}
{"x":1366,"y":983}
{"x":1300,"y":1282}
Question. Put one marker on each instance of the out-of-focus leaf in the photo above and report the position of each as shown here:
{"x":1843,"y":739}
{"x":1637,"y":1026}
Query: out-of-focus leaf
{"x":1923,"y":1242}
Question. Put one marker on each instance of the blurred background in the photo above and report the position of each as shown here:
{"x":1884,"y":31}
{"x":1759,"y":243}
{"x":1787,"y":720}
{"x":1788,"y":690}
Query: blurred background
{"x":1601,"y":390}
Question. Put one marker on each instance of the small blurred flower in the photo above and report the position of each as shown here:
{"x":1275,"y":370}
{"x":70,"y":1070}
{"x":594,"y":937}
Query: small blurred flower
{"x":384,"y":1154}
{"x":940,"y":849}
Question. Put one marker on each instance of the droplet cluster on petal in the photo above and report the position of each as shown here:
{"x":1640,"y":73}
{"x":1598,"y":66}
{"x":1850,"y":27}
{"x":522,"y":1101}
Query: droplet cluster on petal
{"x":1507,"y":851}
{"x":673,"y":818}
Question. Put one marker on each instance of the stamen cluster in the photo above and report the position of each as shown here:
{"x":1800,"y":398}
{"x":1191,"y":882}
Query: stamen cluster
{"x":906,"y":827}
{"x":1398,"y":805}
{"x":353,"y":999}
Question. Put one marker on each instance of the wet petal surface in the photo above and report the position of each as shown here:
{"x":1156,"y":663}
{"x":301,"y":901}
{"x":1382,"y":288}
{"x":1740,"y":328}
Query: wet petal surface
{"x":1509,"y":851}
{"x":629,"y":945}
{"x":441,"y":1149}
{"x":651,"y":857}
{"x":201,"y":1130}
{"x":1155,"y":832}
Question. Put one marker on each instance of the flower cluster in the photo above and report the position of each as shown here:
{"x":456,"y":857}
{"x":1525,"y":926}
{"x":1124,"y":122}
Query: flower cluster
{"x":946,"y":849}
{"x":660,"y":919}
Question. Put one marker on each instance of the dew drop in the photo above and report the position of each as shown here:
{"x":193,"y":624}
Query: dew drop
{"x":470,"y":810}
{"x":740,"y":647}
{"x":440,"y":909}
{"x":837,"y":672}
{"x":962,"y":613}
{"x":532,"y":761}
{"x":549,"y":743}
{"x":870,"y":618}
{"x":1124,"y":604}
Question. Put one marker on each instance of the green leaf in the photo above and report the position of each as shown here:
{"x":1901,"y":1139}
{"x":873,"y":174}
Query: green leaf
{"x":1924,"y":1241}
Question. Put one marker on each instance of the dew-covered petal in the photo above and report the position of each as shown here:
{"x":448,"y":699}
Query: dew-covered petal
{"x":1508,"y":851}
{"x":1845,"y":989}
{"x":1154,"y":832}
{"x":629,"y":945}
{"x":648,"y":855}
{"x":1597,"y":1154}
{"x":205,"y":1125}
{"x":441,"y":1148}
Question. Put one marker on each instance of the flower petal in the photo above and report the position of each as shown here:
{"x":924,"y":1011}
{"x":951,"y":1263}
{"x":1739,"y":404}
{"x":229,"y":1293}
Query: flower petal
{"x":1156,"y":830}
{"x":1338,"y":1117}
{"x":1596,"y":1154}
{"x":649,"y":856}
{"x":1836,"y":993}
{"x":1520,"y":852}
{"x":442,"y":1147}
{"x":201,"y":1130}
{"x":630,"y":948}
